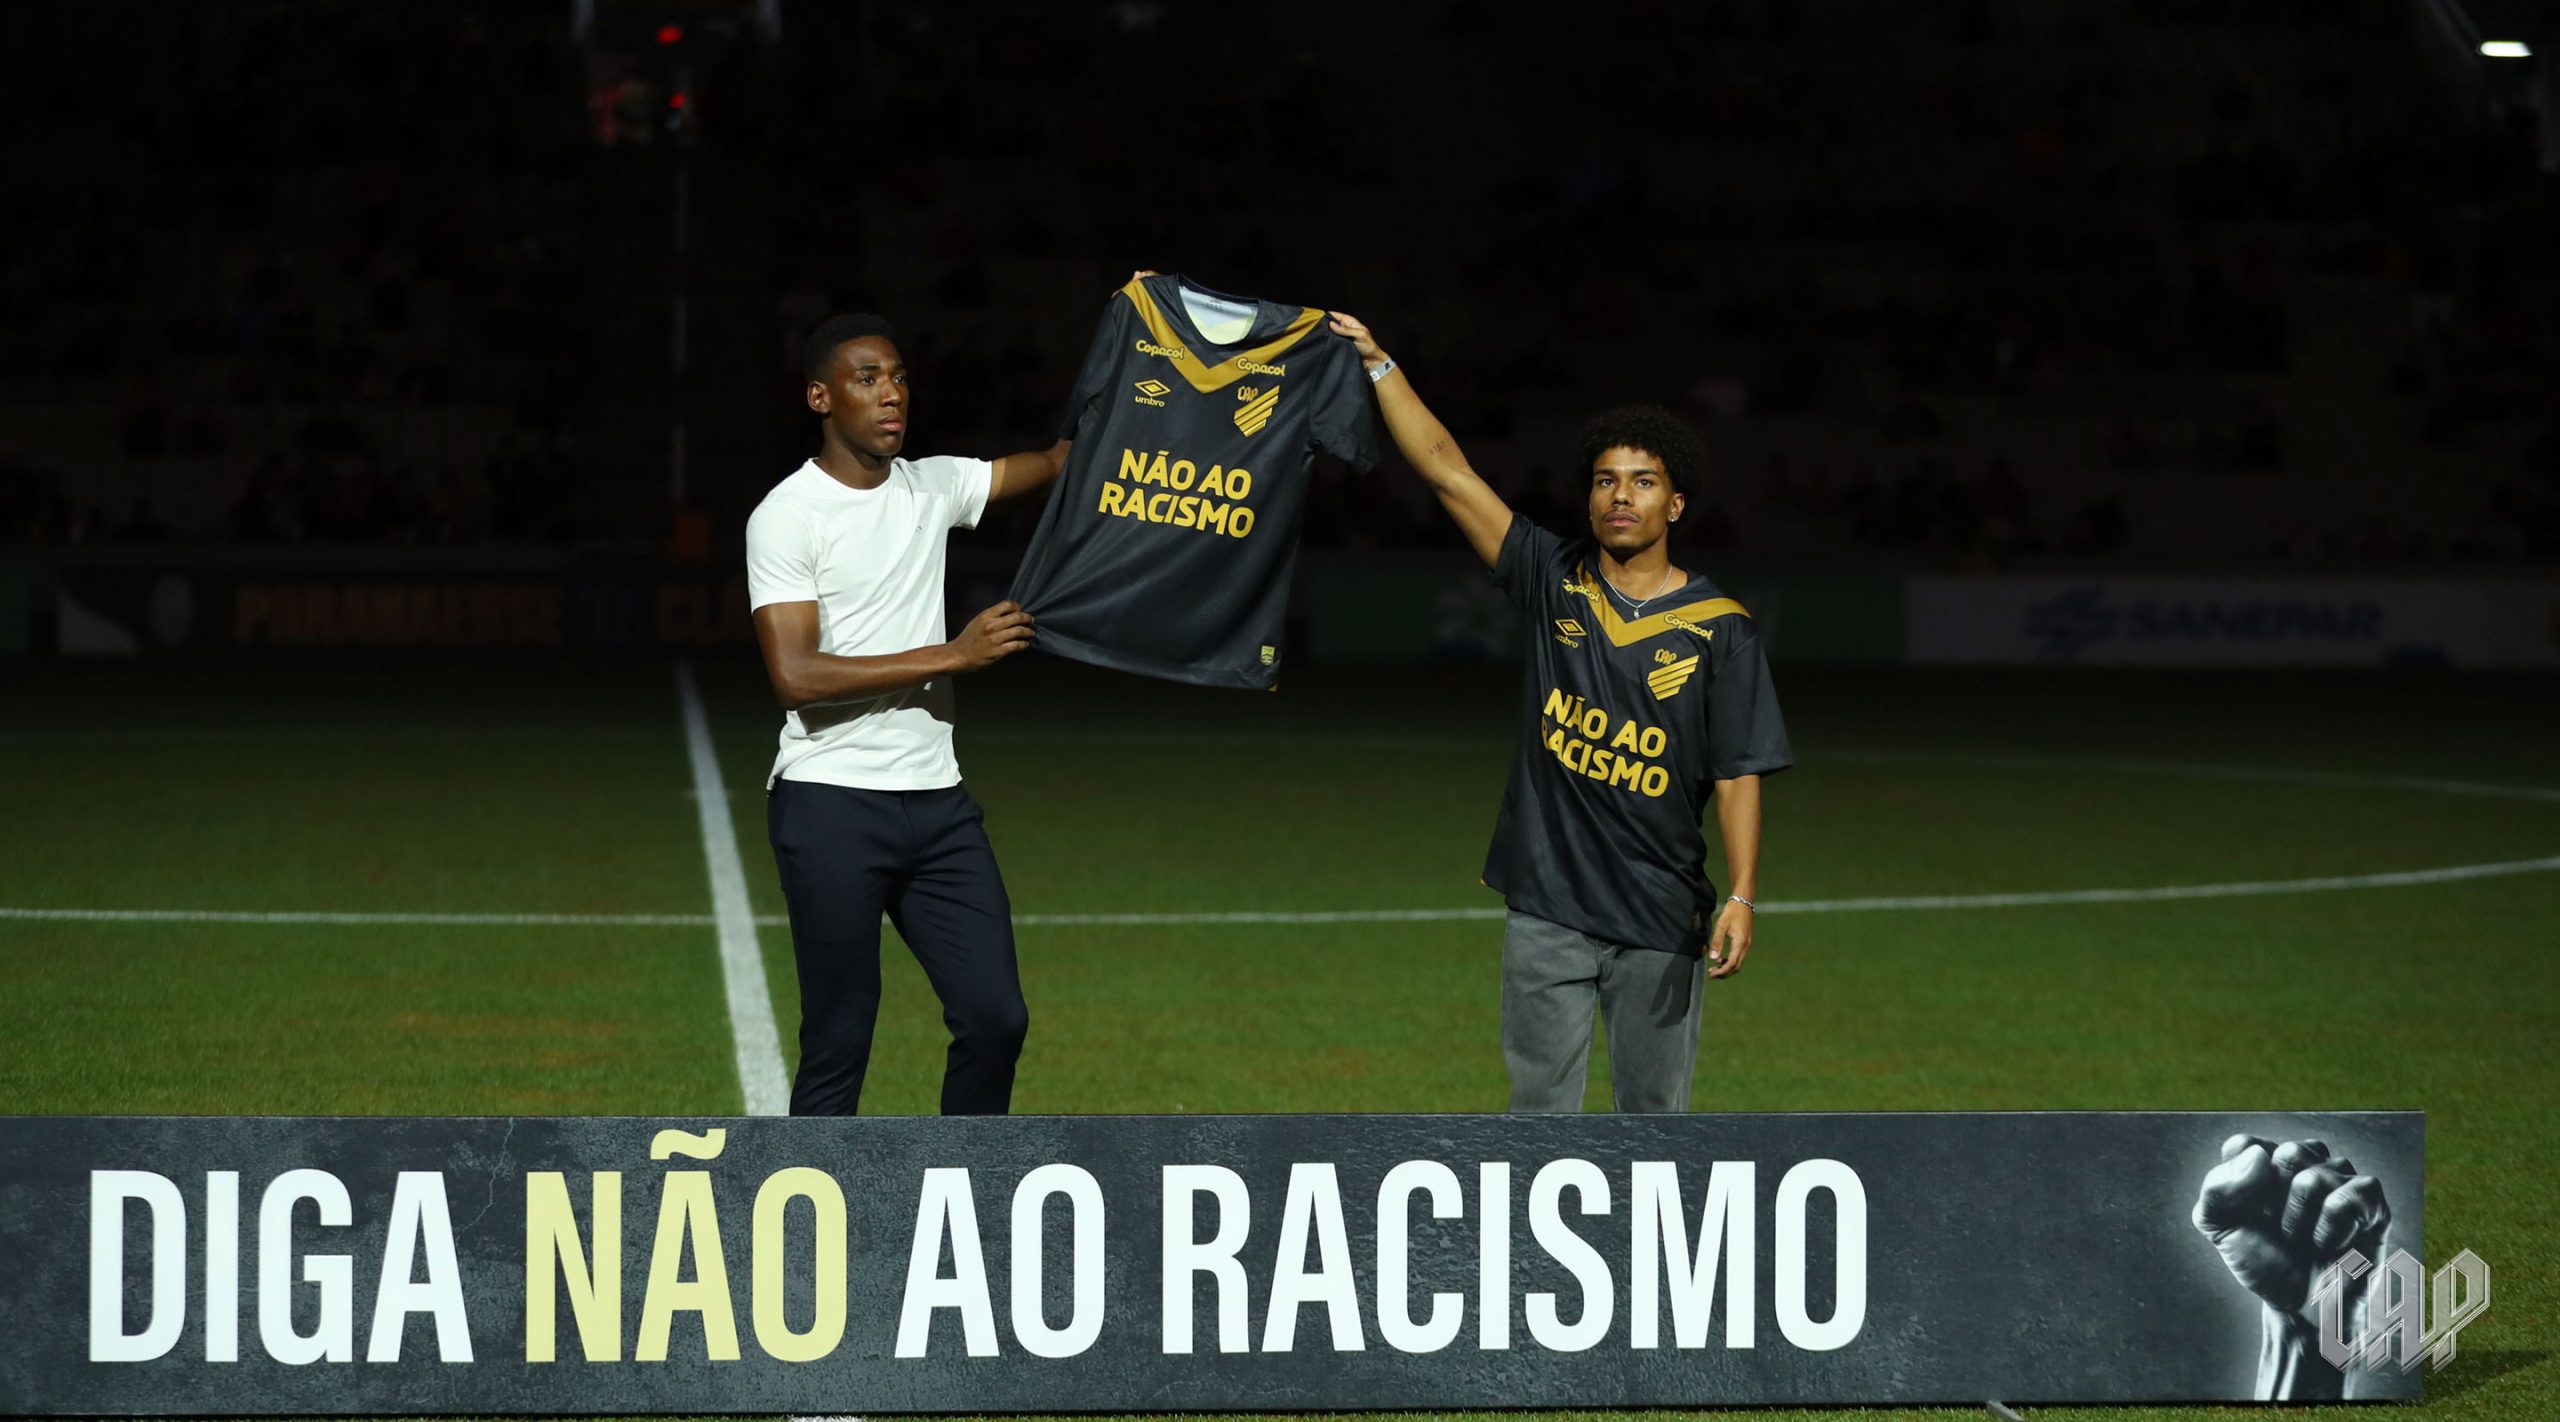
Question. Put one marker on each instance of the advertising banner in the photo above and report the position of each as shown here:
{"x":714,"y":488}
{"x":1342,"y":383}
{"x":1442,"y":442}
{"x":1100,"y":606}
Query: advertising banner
{"x":1363,"y":608}
{"x":1182,"y":1263}
{"x":124,"y":609}
{"x":2234,"y":622}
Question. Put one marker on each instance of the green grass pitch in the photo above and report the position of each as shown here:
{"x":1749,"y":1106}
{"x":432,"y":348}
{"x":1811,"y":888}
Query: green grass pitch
{"x":520,"y":787}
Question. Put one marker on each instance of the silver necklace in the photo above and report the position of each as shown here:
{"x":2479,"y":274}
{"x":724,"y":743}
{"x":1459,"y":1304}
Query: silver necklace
{"x":1635,"y":604}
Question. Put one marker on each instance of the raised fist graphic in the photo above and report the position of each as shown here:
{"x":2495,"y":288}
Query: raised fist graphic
{"x":2282,"y":1216}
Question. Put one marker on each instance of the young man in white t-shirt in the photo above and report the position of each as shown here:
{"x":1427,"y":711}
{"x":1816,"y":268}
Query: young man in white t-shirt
{"x":864,"y":806}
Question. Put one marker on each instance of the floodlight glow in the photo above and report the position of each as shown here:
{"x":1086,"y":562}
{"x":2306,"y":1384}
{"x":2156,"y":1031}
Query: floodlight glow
{"x":2505,"y":49}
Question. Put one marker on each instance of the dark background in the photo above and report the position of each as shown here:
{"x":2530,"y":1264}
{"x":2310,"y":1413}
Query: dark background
{"x":295,"y":293}
{"x":1948,"y":286}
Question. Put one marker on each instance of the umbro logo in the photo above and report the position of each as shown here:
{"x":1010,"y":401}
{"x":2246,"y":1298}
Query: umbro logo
{"x":1569,"y":632}
{"x":1152,"y":392}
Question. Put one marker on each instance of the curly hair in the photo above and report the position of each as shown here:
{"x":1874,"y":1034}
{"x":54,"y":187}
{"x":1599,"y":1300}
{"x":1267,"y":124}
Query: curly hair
{"x":1654,"y":430}
{"x":819,"y":355}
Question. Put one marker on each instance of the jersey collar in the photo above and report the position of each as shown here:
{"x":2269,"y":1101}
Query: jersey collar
{"x":1624,"y":632}
{"x":1172,"y":330}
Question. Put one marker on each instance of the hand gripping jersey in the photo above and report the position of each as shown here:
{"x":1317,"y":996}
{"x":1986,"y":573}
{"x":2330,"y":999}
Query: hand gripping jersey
{"x":1167,"y":545}
{"x":1628,"y":723}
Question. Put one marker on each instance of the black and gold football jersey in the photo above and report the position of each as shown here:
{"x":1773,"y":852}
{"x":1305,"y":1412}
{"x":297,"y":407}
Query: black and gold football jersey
{"x":1630,"y":717}
{"x":1169,"y":541}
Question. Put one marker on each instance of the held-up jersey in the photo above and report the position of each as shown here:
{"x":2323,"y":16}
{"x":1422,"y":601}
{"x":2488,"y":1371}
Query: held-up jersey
{"x":1167,"y":546}
{"x":1627,"y":724}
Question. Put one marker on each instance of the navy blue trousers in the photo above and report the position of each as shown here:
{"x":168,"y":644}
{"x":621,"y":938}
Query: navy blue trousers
{"x":920,"y":856}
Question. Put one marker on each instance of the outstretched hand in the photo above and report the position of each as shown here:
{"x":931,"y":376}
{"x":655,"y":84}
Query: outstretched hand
{"x":992,"y":636}
{"x":1357,"y":332}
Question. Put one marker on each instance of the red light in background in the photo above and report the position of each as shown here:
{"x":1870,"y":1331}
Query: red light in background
{"x":676,"y":99}
{"x":670,"y":34}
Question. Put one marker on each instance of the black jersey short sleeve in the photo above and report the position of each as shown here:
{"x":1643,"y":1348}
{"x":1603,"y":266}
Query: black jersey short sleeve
{"x":1346,"y":414}
{"x":1530,"y":560}
{"x":1745,"y":733}
{"x":1170,"y":538}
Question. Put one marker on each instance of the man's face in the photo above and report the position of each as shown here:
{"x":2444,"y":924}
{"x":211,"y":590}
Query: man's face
{"x":1632,"y":503}
{"x":864,"y":396}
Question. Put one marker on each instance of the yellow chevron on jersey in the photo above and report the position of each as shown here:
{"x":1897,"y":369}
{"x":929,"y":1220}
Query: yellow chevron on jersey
{"x":1205,"y":378}
{"x":1666,"y":680}
{"x":1256,"y":410}
{"x":1623,"y":633}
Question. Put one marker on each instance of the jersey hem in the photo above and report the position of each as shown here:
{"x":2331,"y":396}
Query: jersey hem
{"x":1245,"y":678}
{"x":1689,"y":948}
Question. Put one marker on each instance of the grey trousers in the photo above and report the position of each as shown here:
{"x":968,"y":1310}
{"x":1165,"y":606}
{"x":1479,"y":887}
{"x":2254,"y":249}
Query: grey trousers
{"x":1552,"y":979}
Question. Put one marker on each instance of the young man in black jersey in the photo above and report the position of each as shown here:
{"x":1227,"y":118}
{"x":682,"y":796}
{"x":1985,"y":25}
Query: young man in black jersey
{"x":1648,"y":696}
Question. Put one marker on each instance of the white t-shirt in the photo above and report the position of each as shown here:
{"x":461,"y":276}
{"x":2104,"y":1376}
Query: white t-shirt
{"x":872,"y":560}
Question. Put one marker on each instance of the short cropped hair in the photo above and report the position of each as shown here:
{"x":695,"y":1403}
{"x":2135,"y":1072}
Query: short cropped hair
{"x":1654,"y":430}
{"x":820,"y":353}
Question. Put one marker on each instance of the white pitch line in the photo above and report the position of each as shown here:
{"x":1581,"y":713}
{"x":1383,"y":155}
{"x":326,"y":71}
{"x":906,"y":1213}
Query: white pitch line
{"x":741,"y":927}
{"x":2242,"y":889}
{"x":2247,"y":888}
{"x":2202,"y":770}
{"x":1081,"y":920}
{"x":373,"y":736}
{"x":1298,"y":740}
{"x":429,"y":920}
{"x":760,"y":1079}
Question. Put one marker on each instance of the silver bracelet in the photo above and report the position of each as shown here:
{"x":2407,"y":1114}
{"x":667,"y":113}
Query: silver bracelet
{"x":1739,"y":899}
{"x":1379,"y":371}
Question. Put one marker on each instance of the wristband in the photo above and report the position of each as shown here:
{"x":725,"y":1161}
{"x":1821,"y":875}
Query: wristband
{"x":1739,"y":899}
{"x":1379,"y":371}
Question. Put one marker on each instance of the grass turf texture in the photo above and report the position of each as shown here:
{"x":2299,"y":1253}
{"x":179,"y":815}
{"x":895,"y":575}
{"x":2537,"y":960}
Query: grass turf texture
{"x":513,"y":787}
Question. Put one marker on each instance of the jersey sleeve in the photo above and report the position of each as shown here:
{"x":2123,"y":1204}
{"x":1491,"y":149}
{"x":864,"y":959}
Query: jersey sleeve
{"x":1101,"y":365}
{"x":1346,"y":419}
{"x":1531,"y":559}
{"x":1745,"y":733}
{"x":961,"y":484}
{"x":782,"y":557}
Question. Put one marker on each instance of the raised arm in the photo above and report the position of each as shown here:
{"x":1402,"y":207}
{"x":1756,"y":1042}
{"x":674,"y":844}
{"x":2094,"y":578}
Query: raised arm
{"x":804,"y":676}
{"x":1428,"y":446}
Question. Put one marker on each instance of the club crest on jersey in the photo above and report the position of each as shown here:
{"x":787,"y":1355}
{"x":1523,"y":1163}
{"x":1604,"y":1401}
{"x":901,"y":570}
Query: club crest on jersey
{"x":1152,"y":392}
{"x":1569,"y":632}
{"x":1255,"y":412}
{"x":1670,"y":674}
